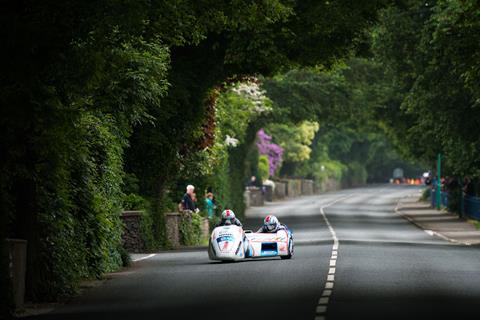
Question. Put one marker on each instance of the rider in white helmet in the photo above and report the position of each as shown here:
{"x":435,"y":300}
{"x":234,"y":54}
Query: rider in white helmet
{"x":271,"y":225}
{"x":228,"y":218}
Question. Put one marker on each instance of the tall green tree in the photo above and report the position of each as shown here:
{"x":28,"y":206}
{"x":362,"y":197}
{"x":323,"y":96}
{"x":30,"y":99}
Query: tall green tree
{"x":351,"y":143}
{"x":430,"y":53}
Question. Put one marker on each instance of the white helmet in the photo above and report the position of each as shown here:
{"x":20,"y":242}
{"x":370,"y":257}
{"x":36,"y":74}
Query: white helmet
{"x":271,"y":223}
{"x":228,"y":215}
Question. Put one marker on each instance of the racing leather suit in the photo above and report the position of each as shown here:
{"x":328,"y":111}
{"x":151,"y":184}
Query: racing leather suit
{"x":234,"y":222}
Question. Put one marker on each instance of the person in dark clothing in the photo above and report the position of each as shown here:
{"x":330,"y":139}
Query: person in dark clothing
{"x":187,"y":200}
{"x":228,"y":218}
{"x":253,"y":182}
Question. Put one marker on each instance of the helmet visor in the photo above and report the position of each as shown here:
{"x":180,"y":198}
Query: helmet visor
{"x":271,"y":227}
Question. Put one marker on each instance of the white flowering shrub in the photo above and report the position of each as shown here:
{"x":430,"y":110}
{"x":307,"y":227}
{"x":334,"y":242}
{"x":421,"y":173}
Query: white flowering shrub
{"x":255,"y":95}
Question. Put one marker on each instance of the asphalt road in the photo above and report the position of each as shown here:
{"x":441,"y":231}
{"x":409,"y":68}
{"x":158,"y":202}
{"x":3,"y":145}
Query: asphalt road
{"x":384,"y":267}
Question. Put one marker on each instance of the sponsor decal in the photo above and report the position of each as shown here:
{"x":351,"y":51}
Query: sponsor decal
{"x":225,"y":238}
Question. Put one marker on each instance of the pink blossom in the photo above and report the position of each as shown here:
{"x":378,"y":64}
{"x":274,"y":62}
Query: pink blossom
{"x":273,"y":151}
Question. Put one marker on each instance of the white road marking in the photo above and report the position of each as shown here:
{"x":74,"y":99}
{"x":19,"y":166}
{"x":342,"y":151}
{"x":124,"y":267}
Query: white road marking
{"x":327,"y":292}
{"x":321,"y":309}
{"x":146,"y":257}
{"x":323,"y":300}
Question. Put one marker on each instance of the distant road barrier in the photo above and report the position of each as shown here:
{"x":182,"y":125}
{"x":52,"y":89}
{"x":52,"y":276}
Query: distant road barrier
{"x":471,"y":205}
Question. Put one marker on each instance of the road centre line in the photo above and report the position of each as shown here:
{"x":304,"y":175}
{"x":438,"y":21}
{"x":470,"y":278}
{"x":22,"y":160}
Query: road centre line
{"x":321,"y":309}
{"x":322,"y":305}
{"x":323,"y":300}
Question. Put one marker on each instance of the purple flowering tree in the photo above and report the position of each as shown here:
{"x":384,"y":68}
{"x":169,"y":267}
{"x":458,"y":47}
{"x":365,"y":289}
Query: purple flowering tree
{"x":273,"y":151}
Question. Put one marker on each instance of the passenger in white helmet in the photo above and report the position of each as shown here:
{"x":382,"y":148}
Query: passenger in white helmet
{"x":271,"y":225}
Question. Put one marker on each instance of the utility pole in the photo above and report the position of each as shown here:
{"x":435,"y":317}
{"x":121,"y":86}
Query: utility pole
{"x":438,"y":194}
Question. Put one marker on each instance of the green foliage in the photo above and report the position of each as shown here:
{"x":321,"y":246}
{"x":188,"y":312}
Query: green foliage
{"x":303,"y":94}
{"x":431,"y":54}
{"x":147,"y":231}
{"x":237,"y":109}
{"x":356,"y":175}
{"x":320,"y":167}
{"x":190,"y":229}
{"x":294,"y":139}
{"x":124,"y":256}
{"x":78,"y":216}
{"x":92,"y":89}
{"x":215,"y":43}
{"x":263,"y":167}
{"x":133,"y":201}
{"x":349,"y":140}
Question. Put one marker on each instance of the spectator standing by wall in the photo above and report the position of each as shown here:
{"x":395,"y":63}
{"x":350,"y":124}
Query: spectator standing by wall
{"x":253,"y":182}
{"x":187,"y":200}
{"x":210,"y":205}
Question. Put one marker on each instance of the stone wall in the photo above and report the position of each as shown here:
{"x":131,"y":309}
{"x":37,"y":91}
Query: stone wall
{"x":294,"y":187}
{"x":205,"y":228}
{"x":307,"y":187}
{"x":268,"y":195}
{"x":172,"y":225}
{"x":246,"y":198}
{"x":256,"y":197}
{"x":280,"y":190}
{"x":132,"y":239}
{"x":327,"y":185}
